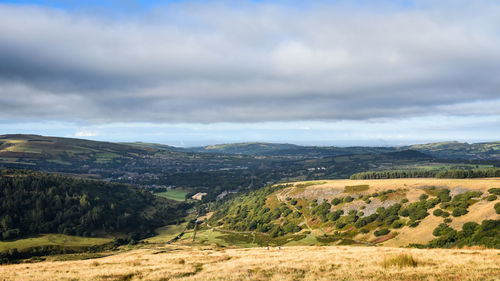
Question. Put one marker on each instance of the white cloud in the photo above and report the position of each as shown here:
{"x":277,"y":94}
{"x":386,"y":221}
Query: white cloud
{"x":85,"y":133}
{"x":201,"y":63}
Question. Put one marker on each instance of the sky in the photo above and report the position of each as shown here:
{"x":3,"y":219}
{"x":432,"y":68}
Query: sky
{"x":190,"y":73}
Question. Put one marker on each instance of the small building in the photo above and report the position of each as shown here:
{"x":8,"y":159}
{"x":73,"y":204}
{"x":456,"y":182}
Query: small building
{"x":199,"y":195}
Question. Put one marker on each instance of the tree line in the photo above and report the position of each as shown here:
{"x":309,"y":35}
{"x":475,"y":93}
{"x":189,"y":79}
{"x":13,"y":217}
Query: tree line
{"x":452,"y":174}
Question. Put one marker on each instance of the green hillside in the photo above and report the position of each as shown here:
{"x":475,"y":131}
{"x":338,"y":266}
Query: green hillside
{"x":458,"y":150}
{"x":36,"y":203}
{"x":395,"y":212}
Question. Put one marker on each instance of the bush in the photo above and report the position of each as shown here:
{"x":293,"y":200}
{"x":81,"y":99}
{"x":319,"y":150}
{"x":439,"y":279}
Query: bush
{"x":382,"y":231}
{"x":423,"y":197}
{"x":348,"y":199}
{"x":491,"y":197}
{"x":495,"y":191}
{"x":441,"y":213}
{"x":497,"y":208}
{"x":437,"y":212}
{"x":397,"y":224}
{"x":413,"y":223}
{"x":444,"y":195}
{"x":364,"y":230}
{"x":336,"y":201}
{"x":401,"y":260}
{"x":460,"y":211}
{"x":442,"y":229}
{"x":404,"y":212}
{"x":333,"y":216}
{"x":448,"y":220}
{"x":405,"y":200}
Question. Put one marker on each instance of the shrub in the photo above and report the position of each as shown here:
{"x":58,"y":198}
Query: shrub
{"x":348,"y":199}
{"x":437,"y":212}
{"x":364,"y":230}
{"x":293,"y":202}
{"x":448,"y":220}
{"x":413,"y":223}
{"x":441,"y":213}
{"x":495,"y":191}
{"x":340,"y":224}
{"x":491,"y":197}
{"x":382,"y":231}
{"x":404,"y":212}
{"x":423,"y":197}
{"x":442,"y":229}
{"x":444,"y":195}
{"x":333,"y":216}
{"x":401,"y":260}
{"x":497,"y":208}
{"x":397,"y":224}
{"x":336,"y":201}
{"x":405,"y":200}
{"x":460,"y":211}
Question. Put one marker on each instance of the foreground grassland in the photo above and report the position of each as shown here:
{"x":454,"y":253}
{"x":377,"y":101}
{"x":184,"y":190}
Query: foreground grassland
{"x":289,"y":263}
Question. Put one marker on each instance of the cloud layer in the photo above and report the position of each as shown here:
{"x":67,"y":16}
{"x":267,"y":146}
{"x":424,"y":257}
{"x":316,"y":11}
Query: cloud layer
{"x":251,"y":62}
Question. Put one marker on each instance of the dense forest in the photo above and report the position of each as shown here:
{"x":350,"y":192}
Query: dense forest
{"x":451,"y":174}
{"x":33,"y":202}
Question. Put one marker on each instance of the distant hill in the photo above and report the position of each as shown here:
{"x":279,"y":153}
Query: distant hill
{"x":30,"y":149}
{"x":441,"y":150}
{"x":458,"y":150}
{"x":287,"y":150}
{"x":248,"y":148}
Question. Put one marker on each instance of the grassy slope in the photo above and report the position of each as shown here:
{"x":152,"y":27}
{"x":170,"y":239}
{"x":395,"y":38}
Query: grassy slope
{"x":289,"y":263}
{"x":61,"y":150}
{"x":305,"y":192}
{"x":52,"y":239}
{"x":166,"y":233}
{"x":423,"y":232}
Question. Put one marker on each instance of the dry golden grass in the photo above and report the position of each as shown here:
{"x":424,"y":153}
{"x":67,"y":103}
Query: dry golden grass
{"x":482,"y":184}
{"x":289,"y":263}
{"x":413,"y":188}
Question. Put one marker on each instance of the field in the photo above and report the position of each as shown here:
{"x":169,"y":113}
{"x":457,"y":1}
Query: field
{"x":174,"y":194}
{"x":166,"y":233}
{"x":52,"y":239}
{"x":289,"y":263}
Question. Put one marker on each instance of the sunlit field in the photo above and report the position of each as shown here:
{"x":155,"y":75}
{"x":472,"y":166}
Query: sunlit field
{"x":287,"y":263}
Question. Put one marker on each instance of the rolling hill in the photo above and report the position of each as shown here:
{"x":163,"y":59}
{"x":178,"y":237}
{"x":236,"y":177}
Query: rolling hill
{"x":392,"y":212}
{"x":440,"y":150}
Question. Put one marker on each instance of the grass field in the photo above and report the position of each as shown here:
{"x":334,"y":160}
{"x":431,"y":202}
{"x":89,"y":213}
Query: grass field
{"x":52,"y":239}
{"x":289,"y":263}
{"x":384,"y":184}
{"x":166,"y":233}
{"x":174,"y":194}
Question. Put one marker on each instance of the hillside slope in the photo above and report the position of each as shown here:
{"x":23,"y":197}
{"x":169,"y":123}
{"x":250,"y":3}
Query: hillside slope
{"x":36,"y":203}
{"x":395,"y":212}
{"x":458,"y":150}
